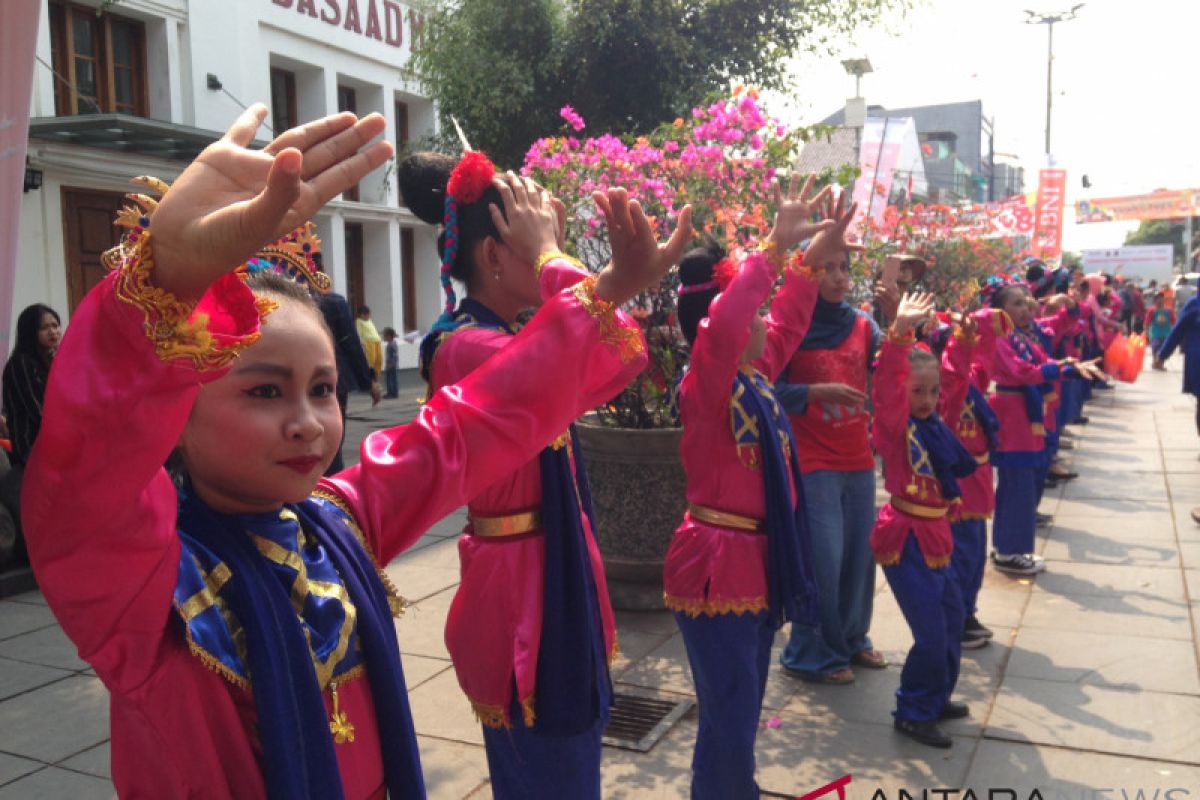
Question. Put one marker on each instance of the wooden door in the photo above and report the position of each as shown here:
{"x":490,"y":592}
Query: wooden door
{"x":408,"y":278}
{"x":88,"y":230}
{"x":355,"y":293}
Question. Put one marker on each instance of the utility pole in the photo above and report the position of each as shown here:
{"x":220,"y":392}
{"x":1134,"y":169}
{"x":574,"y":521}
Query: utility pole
{"x":1035,"y":18}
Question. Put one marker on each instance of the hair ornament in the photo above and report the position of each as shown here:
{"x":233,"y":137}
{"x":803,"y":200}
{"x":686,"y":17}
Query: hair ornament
{"x":470,"y":179}
{"x":698,"y":287}
{"x":724,"y":271}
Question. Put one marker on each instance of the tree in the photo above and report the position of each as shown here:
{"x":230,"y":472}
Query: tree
{"x":503,"y":68}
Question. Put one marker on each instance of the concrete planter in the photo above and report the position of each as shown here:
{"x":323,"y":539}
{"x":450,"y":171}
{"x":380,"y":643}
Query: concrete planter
{"x":639,"y":494}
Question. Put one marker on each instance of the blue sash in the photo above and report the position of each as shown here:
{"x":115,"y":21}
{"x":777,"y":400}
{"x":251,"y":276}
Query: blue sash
{"x":791,"y":585}
{"x":947,"y":459}
{"x":299,"y":760}
{"x":574,"y":689}
{"x":978,"y":405}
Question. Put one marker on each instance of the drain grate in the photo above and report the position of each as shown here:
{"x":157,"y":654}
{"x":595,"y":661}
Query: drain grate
{"x":638,"y":721}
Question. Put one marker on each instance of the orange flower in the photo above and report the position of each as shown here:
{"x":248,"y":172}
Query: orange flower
{"x":678,"y":123}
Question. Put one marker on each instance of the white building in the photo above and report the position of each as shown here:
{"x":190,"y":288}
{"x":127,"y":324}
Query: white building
{"x":142,"y":87}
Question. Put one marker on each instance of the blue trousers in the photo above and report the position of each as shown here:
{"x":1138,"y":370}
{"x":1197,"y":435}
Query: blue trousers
{"x":729,"y":655}
{"x":526,"y":766}
{"x":932,"y":607}
{"x":841,"y":511}
{"x":967,"y":562}
{"x":1018,"y":490}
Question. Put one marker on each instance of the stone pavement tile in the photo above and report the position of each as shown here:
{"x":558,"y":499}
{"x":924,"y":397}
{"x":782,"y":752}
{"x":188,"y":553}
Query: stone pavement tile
{"x":12,"y":767}
{"x":1155,"y":526}
{"x":442,"y":555}
{"x":1179,"y":464}
{"x":1002,"y":606}
{"x":55,"y":721}
{"x":1129,"y":545}
{"x":47,"y":646}
{"x":418,"y":669}
{"x":664,"y":668}
{"x":452,"y":770}
{"x":1190,"y":553}
{"x":1193,"y":583}
{"x":1150,"y":487}
{"x":662,"y":622}
{"x":95,"y":761}
{"x":1064,"y":773}
{"x":1185,"y":527}
{"x":53,"y":783}
{"x":665,"y":773}
{"x":1142,"y":724}
{"x":33,"y":598}
{"x":18,"y":676}
{"x":1105,"y":659}
{"x":440,"y":709}
{"x":422,"y":629}
{"x":632,"y":646}
{"x":17,"y":618}
{"x":1109,"y":580}
{"x":1089,"y":462}
{"x":1123,"y":512}
{"x":802,"y":755}
{"x":1183,"y":485}
{"x":449,"y":526}
{"x":415,"y":582}
{"x":1121,"y":616}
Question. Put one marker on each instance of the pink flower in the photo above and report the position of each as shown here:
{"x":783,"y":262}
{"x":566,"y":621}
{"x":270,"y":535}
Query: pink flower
{"x":572,"y":117}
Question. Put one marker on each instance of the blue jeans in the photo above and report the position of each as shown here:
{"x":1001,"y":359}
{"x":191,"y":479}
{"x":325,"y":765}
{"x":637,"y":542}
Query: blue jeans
{"x":932,"y":606}
{"x":841,"y":512}
{"x":730,"y":655}
{"x":392,"y":376}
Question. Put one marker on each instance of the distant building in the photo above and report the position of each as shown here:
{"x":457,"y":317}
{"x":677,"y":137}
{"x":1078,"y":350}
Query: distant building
{"x":1007,"y":180}
{"x":957,"y":148}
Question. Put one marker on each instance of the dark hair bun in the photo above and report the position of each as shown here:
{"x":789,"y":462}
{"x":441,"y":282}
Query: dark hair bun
{"x":697,"y":264}
{"x":423,"y":178}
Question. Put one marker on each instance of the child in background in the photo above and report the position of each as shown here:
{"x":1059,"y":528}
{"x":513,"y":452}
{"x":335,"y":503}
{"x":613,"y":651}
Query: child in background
{"x":1159,"y":321}
{"x":238,"y":618}
{"x":391,"y":363}
{"x":372,"y":343}
{"x":922,"y":462}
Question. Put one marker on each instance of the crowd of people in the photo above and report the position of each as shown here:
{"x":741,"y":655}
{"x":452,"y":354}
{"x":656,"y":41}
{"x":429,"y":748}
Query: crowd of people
{"x":232,"y":602}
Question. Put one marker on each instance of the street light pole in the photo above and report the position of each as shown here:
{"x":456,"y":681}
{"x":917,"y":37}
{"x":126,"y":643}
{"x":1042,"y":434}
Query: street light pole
{"x":1034,"y":18}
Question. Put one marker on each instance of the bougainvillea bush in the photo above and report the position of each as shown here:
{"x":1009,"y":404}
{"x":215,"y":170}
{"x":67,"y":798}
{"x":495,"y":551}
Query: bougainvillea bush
{"x":721,"y":159}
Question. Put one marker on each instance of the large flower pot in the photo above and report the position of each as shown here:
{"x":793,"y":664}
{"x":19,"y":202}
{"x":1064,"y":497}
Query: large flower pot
{"x":639,"y":494}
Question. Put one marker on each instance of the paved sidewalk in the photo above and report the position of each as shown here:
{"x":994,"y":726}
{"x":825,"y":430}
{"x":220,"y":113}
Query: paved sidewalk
{"x":1091,"y":685}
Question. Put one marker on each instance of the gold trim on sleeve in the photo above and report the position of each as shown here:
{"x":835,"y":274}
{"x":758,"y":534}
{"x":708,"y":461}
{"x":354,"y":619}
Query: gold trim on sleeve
{"x":627,"y":340}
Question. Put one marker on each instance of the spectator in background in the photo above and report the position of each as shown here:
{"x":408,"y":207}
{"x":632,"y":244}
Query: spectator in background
{"x":391,"y":363}
{"x":372,"y":343}
{"x":1159,"y":321}
{"x":1138,"y":301}
{"x":25,"y":376}
{"x":353,"y":370}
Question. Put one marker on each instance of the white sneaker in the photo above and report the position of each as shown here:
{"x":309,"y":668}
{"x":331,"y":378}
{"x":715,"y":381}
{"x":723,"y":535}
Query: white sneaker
{"x":1019,"y":564}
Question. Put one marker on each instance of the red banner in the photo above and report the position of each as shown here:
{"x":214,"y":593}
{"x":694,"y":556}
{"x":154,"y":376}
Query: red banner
{"x":1051,"y":205}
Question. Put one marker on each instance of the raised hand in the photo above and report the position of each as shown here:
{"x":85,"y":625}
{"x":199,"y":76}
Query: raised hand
{"x":232,"y":201}
{"x":915,"y":308}
{"x":795,"y":211}
{"x":529,"y":225}
{"x":967,"y":324}
{"x":638,"y":260}
{"x":830,"y":243}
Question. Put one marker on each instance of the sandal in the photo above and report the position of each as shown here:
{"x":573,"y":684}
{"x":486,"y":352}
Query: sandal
{"x":869,"y":658}
{"x":839,"y":677}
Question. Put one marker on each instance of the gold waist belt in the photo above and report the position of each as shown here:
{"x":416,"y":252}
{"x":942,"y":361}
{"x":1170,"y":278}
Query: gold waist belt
{"x":983,"y":458}
{"x":509,"y":525}
{"x":925,"y":512}
{"x":723,"y":518}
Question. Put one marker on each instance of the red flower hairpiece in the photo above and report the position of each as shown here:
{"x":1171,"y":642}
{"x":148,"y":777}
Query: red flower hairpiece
{"x":924,"y":346}
{"x":471,"y":177}
{"x":724,"y":271}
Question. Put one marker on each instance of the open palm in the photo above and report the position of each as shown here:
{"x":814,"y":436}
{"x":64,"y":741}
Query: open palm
{"x":231,"y":201}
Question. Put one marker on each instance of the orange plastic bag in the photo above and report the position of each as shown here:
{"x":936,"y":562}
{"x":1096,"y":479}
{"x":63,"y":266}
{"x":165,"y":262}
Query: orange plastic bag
{"x":1135,"y":358}
{"x":1115,"y":357}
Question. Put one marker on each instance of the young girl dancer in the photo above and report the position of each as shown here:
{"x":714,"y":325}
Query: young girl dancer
{"x":922,"y":462}
{"x":530,"y":630}
{"x":739,"y":565}
{"x":239,"y":621}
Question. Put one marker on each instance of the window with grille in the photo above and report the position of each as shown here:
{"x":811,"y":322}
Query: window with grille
{"x":101,"y":61}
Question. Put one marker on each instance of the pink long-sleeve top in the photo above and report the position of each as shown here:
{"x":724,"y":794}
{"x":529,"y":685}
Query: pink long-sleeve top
{"x":1018,"y":433}
{"x":715,"y":569}
{"x":961,"y":368}
{"x":916,"y":506}
{"x":494,"y":627}
{"x":100,"y":516}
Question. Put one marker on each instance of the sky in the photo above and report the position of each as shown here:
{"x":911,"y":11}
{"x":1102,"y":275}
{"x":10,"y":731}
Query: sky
{"x":1122,"y":111}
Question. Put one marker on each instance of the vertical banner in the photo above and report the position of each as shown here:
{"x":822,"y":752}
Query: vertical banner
{"x":879,"y":159}
{"x":18,"y":42}
{"x":1051,"y":205}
